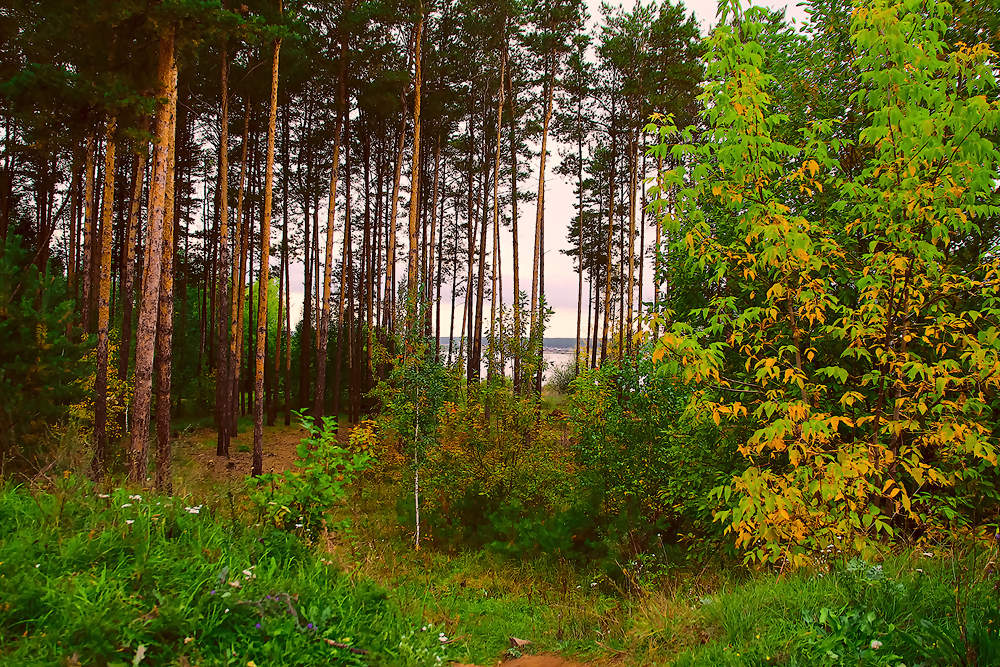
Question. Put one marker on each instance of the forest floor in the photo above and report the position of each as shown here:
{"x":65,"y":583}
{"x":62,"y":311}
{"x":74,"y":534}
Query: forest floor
{"x":575,"y":614}
{"x":100,"y":574}
{"x":483,"y":602}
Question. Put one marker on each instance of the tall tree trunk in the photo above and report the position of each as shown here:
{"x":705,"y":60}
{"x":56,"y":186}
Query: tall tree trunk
{"x":89,"y":224}
{"x":390,"y":246}
{"x":579,"y":228}
{"x":146,"y":333}
{"x":305,"y":339}
{"x":235,"y":319}
{"x":165,"y":326}
{"x":413,"y":271}
{"x":496,"y":217}
{"x":607,"y":276}
{"x":285,"y":168}
{"x":514,"y":180}
{"x":128,"y":260}
{"x":103,"y":307}
{"x":324,"y":329}
{"x":222,"y":301}
{"x":74,"y":224}
{"x":262,"y":282}
{"x":540,"y":201}
{"x":633,"y":174}
{"x":368,"y":266}
{"x":437,"y":237}
{"x":343,"y":328}
{"x":642,"y":236}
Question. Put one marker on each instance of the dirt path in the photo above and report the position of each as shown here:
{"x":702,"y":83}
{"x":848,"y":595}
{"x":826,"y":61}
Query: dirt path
{"x":202,"y":470}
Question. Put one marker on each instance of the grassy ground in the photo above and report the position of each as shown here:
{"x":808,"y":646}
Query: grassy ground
{"x":87,"y":579}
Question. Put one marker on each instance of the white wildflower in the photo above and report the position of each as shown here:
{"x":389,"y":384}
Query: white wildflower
{"x":130,"y":521}
{"x":875,"y":645}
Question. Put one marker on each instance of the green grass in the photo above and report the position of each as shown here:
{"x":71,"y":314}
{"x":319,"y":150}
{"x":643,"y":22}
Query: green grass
{"x":92,"y":579}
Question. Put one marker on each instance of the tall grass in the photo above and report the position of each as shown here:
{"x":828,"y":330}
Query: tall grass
{"x":104,"y":579}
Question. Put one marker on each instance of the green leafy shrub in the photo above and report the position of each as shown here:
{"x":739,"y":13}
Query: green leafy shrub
{"x":851,"y":311}
{"x":652,"y":462}
{"x":561,"y":377}
{"x":495,"y":476}
{"x":299,"y":499}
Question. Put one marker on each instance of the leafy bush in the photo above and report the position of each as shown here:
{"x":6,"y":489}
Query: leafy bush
{"x":852,"y":312}
{"x":299,"y":499}
{"x":653,"y":462}
{"x":561,"y":377}
{"x":496,"y":475}
{"x":119,"y":578}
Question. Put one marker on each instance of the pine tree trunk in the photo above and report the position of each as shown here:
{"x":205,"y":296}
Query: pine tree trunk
{"x":146,"y":333}
{"x":633,"y":186}
{"x":390,"y":246}
{"x":236,"y":299}
{"x":128,"y":262}
{"x":579,"y":229}
{"x":516,"y":371}
{"x":413,"y":270}
{"x":540,"y":202}
{"x":262,"y":280}
{"x":286,"y":167}
{"x":222,"y":300}
{"x":343,"y":328}
{"x":165,"y":327}
{"x":98,"y":463}
{"x":305,"y":340}
{"x":607,"y":276}
{"x":642,"y":236}
{"x":496,"y":219}
{"x":324,"y":328}
{"x":89,"y":222}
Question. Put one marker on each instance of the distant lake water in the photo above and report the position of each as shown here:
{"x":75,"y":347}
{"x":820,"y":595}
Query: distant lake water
{"x":557,"y":352}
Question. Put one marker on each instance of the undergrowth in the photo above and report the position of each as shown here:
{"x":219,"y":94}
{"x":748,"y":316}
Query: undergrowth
{"x":123,"y":578}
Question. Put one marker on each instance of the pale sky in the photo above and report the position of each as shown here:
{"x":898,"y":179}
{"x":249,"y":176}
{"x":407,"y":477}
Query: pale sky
{"x":560,"y":203}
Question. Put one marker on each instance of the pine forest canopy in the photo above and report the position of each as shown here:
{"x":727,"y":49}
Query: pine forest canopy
{"x":386,"y":158}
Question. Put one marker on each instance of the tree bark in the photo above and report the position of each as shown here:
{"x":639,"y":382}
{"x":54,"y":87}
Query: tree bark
{"x":89,"y":222}
{"x":413,"y":271}
{"x":222,"y":283}
{"x":236,"y":299}
{"x":146,"y":332}
{"x":540,"y":203}
{"x":165,"y":326}
{"x":262,"y":279}
{"x":98,"y":463}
